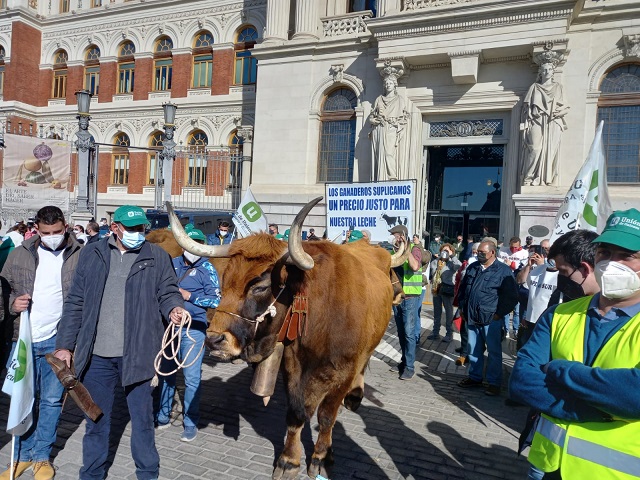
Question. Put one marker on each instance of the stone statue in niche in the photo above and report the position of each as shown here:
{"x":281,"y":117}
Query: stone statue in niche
{"x":543,"y":123}
{"x":389,"y":118}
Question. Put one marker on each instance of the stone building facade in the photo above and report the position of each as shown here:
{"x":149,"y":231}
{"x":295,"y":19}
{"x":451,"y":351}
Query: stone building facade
{"x":492,"y":89}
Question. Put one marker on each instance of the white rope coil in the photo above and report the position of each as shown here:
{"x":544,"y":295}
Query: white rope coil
{"x":170,"y":349}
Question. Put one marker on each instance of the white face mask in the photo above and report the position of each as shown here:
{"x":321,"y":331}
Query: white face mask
{"x":616,"y":281}
{"x":191,"y":257}
{"x":52,"y":241}
{"x":223,"y":234}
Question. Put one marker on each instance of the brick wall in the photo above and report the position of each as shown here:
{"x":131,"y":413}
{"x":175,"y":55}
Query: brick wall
{"x":46,"y":84}
{"x":222,"y":71}
{"x":22,"y":81}
{"x":108,"y":78}
{"x":181,"y":80}
{"x":104,"y":172}
{"x":144,"y":77}
{"x":75,"y":82}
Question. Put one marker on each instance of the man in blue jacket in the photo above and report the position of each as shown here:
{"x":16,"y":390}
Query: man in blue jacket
{"x":487,"y":293}
{"x":113,"y":322}
{"x":200,"y":289}
{"x":580,"y":368}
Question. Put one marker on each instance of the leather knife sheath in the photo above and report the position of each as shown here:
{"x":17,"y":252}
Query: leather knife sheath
{"x":76,"y":390}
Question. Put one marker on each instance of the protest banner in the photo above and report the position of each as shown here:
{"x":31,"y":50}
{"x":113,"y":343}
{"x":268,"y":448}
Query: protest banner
{"x":249,"y":218}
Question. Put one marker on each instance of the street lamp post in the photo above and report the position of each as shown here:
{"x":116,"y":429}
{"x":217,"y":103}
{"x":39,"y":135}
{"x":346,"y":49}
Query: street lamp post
{"x":85,"y":146}
{"x":168,"y":154}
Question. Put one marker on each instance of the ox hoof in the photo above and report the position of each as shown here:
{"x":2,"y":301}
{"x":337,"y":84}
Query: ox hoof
{"x":353,"y":399}
{"x":321,"y":466}
{"x":285,"y":470}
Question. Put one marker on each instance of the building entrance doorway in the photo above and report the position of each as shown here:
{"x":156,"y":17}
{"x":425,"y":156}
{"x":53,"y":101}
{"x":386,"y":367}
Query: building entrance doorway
{"x":465,"y":190}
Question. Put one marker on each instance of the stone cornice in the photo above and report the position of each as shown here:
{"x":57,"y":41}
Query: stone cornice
{"x":469,"y":17}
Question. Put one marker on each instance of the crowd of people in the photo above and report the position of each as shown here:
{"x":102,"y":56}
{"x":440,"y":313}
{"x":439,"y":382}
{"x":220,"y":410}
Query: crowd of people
{"x":101,"y":301}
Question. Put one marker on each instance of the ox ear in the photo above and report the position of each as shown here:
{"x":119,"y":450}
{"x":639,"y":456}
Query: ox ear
{"x":191,"y":245}
{"x":297,"y":255}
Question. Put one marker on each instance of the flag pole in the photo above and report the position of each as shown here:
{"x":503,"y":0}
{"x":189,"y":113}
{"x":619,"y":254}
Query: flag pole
{"x":13,"y":457}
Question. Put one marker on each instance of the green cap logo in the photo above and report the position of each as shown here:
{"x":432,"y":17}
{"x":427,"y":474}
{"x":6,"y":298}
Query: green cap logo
{"x":252,"y":211}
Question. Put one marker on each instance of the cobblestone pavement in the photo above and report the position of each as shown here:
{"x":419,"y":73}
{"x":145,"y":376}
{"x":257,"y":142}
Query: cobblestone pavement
{"x":425,"y":428}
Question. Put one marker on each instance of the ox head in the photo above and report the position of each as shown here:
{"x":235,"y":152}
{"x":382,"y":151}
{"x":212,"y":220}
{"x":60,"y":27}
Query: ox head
{"x":258,"y":285}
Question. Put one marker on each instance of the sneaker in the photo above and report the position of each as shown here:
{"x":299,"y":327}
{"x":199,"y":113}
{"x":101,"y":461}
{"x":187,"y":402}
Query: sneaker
{"x":433,"y":336}
{"x":407,"y":374}
{"x":470,"y":382}
{"x":43,"y":470}
{"x":18,"y":469}
{"x":492,"y":390}
{"x":447,"y":338}
{"x":189,"y":434}
{"x":461,"y":361}
{"x":160,"y":425}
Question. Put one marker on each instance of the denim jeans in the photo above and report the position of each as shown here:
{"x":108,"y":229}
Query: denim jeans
{"x":36,"y":444}
{"x":534,"y":473}
{"x":516,"y":319}
{"x":489,"y":336}
{"x":406,"y":315}
{"x":192,"y":375}
{"x":418,"y":321}
{"x":101,"y":379}
{"x":440,"y":301}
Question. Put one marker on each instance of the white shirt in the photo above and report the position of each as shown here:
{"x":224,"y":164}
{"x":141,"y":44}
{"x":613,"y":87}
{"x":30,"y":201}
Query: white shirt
{"x":46,"y":302}
{"x":16,"y":237}
{"x":514,"y":260}
{"x":542,"y":283}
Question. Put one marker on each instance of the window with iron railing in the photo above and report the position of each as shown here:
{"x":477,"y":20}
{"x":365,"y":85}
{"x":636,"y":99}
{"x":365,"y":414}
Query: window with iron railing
{"x":120,"y":160}
{"x":197,"y":159}
{"x":619,"y":107}
{"x":154,"y":142}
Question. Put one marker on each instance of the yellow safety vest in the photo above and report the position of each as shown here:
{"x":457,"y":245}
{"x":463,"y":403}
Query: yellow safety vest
{"x":411,"y":281}
{"x":589,"y":450}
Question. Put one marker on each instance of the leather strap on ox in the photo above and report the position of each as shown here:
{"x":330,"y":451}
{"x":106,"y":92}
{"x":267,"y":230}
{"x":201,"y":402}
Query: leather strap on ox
{"x":295,"y":322}
{"x":76,"y":390}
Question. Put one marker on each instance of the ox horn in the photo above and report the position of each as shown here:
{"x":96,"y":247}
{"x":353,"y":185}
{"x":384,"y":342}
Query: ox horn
{"x":398,"y":258}
{"x":191,"y":245}
{"x":297,"y":255}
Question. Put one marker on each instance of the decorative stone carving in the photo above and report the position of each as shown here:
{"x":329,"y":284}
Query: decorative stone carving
{"x":84,"y":141}
{"x":417,"y":4}
{"x":337,"y":72}
{"x":390,"y":119}
{"x":345,"y":25}
{"x":473,"y":128}
{"x":631,"y":46}
{"x":543,"y":122}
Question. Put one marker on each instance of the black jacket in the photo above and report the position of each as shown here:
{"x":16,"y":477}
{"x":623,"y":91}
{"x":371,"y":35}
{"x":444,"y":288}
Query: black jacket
{"x":489,"y":292}
{"x":151,"y":293}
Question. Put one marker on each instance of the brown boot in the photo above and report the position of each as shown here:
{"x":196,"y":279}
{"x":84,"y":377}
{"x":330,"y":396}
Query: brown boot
{"x":461,"y":361}
{"x":18,"y":469}
{"x":43,"y":470}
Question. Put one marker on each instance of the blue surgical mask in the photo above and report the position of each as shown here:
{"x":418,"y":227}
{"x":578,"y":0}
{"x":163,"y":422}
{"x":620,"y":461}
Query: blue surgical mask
{"x":132,"y":240}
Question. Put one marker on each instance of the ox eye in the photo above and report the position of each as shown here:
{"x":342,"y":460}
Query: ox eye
{"x":259,"y":289}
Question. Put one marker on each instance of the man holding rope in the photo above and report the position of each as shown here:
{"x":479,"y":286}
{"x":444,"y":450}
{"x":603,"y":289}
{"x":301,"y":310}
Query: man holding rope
{"x":112,"y":321}
{"x":200,"y":289}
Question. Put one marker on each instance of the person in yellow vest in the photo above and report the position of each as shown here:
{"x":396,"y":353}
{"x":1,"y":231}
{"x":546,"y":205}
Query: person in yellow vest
{"x":580,"y":368}
{"x":406,"y":314}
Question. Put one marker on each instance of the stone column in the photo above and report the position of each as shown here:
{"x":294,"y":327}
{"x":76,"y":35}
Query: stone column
{"x":277,"y":20}
{"x":307,"y":19}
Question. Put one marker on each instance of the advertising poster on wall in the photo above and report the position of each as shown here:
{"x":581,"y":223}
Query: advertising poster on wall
{"x":35,"y":173}
{"x":376,"y":207}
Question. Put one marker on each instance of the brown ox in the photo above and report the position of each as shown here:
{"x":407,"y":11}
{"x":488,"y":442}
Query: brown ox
{"x":349,"y":306}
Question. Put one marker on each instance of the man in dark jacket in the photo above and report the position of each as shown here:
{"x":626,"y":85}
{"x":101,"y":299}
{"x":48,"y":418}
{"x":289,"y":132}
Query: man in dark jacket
{"x":39,"y":274}
{"x":487,"y":293}
{"x":93,"y":232}
{"x":113,"y":322}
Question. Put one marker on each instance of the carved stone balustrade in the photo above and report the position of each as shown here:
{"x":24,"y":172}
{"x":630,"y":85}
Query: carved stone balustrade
{"x":349,"y":24}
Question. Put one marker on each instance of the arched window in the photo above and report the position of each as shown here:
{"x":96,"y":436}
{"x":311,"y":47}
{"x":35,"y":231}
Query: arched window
{"x":120,"y":159}
{"x":163,"y":64}
{"x":619,"y":107}
{"x":155,"y":141}
{"x":126,"y":67}
{"x":59,"y":88}
{"x":202,"y":60}
{"x":337,"y":136}
{"x":235,"y":166}
{"x":197,"y":159}
{"x":92,"y":69}
{"x":246,"y":66}
{"x":2,"y":54}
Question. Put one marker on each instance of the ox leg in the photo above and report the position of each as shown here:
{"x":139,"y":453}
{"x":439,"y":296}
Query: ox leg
{"x":322,"y":459}
{"x":354,"y":398}
{"x":288,"y":464}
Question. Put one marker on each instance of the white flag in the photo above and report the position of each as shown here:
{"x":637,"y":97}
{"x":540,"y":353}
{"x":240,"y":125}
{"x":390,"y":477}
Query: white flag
{"x":19,"y":383}
{"x":587,"y":203}
{"x":249,"y":218}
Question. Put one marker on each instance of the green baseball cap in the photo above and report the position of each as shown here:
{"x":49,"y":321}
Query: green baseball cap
{"x":194,"y":233}
{"x":622,"y":230}
{"x":130,"y":216}
{"x":355,"y":235}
